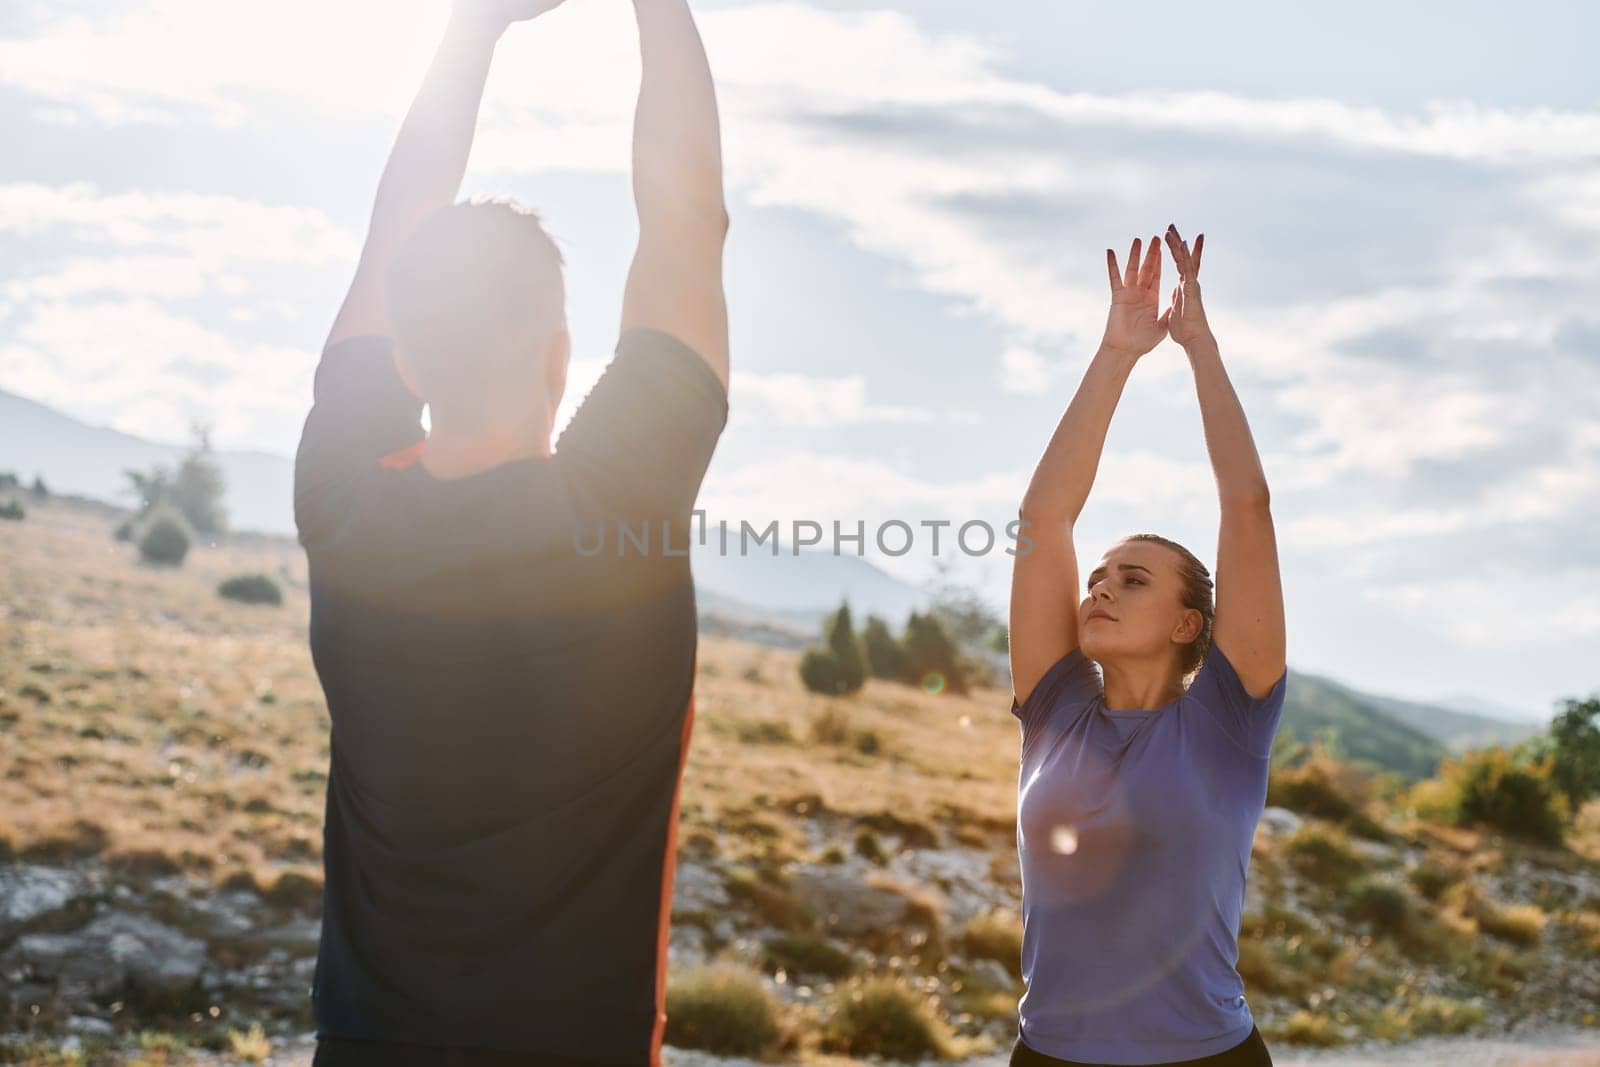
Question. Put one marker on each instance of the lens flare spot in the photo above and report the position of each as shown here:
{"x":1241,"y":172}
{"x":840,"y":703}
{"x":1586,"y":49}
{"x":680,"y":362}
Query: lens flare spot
{"x":933,"y":683}
{"x":1064,"y":839}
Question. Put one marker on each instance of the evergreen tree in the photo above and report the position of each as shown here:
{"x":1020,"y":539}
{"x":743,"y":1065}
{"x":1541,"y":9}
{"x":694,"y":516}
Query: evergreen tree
{"x":885,"y":657}
{"x":840,"y":636}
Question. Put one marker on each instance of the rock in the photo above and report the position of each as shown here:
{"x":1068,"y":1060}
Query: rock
{"x":1280,"y":820}
{"x":698,"y":888}
{"x":849,"y":906}
{"x":88,"y":1024}
{"x":113,"y":949}
{"x":687,"y":946}
{"x":991,"y":974}
{"x":27,"y":892}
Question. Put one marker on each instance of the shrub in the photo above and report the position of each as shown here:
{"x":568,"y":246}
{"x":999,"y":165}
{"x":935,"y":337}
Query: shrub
{"x":722,"y":1009}
{"x":1311,"y":789}
{"x":1386,"y":906}
{"x":885,"y":657}
{"x":1323,"y":854}
{"x":165,"y":541}
{"x":1520,"y":800}
{"x":881,"y":1017}
{"x":125,"y":529}
{"x":250,"y":589}
{"x":995,"y":935}
{"x":819,"y":672}
{"x":798,"y":954}
{"x":1432,"y":879}
{"x":12,"y":511}
{"x":869,"y":848}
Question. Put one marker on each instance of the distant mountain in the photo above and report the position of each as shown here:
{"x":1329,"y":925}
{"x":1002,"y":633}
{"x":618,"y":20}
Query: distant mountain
{"x":1489,"y":709}
{"x":1400,"y":735}
{"x":1362,"y":730}
{"x":74,"y":457}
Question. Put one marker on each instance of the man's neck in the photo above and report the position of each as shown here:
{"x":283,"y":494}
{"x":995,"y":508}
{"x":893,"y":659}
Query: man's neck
{"x":447,"y":455}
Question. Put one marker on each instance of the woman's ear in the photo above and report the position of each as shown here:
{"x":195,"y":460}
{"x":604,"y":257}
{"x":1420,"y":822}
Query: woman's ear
{"x":557,"y":355}
{"x":1192,"y":626}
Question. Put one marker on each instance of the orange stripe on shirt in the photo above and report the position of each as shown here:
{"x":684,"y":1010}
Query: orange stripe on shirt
{"x":669,"y":869}
{"x":401,"y":458}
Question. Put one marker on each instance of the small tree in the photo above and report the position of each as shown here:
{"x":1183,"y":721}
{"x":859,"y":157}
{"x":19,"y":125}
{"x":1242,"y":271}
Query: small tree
{"x":165,"y":541}
{"x":840,"y":635}
{"x":12,"y":511}
{"x":198,"y":486}
{"x":40,"y":490}
{"x":885,"y":657}
{"x":1575,"y":750}
{"x":195,"y":491}
{"x":9,"y":480}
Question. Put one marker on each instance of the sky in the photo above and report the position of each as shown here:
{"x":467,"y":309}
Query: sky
{"x":1401,"y":206}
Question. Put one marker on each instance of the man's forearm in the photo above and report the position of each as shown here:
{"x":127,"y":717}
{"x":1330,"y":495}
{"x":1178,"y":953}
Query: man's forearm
{"x":677,"y":143}
{"x":430,"y":152}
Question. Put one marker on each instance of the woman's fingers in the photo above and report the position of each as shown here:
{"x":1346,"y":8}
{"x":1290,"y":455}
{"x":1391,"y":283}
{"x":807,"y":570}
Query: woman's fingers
{"x":1150,"y":276}
{"x":1199,"y":246}
{"x":1180,"y":253}
{"x":1133,"y":264}
{"x":1111,"y":265}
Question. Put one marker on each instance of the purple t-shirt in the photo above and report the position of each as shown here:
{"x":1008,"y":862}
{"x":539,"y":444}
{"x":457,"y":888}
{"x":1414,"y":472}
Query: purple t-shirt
{"x":1134,"y":831}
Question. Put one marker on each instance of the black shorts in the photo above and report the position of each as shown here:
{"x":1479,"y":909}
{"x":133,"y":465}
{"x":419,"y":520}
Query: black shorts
{"x":1251,"y":1052}
{"x":347,"y":1052}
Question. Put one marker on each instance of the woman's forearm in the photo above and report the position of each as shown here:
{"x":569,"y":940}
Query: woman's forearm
{"x":1234,"y":461}
{"x":1066,"y":471}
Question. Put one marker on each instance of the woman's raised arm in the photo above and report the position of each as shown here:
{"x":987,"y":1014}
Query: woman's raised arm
{"x":1249,"y":622}
{"x":1044,"y":576}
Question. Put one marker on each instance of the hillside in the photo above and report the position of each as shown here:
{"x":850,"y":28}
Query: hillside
{"x":163,"y":756}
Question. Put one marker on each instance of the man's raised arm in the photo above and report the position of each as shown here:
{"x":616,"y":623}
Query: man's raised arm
{"x":675,"y":282}
{"x":430,"y":153}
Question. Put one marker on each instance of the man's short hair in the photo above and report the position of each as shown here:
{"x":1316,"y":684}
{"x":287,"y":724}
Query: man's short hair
{"x":474,"y":295}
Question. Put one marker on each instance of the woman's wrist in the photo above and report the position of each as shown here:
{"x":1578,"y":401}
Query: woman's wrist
{"x":1202,"y":346}
{"x":475,"y":26}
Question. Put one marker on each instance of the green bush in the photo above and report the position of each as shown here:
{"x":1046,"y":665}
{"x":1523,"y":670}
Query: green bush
{"x":722,"y":1009}
{"x":165,"y":540}
{"x":819,"y":672}
{"x":885,"y":657}
{"x":1520,"y":800}
{"x":250,"y":589}
{"x":881,"y":1017}
{"x":12,"y":510}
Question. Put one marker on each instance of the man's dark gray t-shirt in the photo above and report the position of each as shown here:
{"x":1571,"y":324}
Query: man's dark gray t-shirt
{"x":510,"y":708}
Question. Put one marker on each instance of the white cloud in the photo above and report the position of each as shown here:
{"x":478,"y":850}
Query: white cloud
{"x":814,"y":401}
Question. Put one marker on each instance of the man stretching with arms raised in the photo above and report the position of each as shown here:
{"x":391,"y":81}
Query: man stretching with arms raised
{"x":510,"y":710}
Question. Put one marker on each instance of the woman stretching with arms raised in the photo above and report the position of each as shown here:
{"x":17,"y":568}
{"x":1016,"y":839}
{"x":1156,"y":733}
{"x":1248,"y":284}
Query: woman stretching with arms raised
{"x":1139,"y":797}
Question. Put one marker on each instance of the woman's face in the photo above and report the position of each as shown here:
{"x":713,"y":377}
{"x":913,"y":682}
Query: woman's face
{"x":1133,"y":603}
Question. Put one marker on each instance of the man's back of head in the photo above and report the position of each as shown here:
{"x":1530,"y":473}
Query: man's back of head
{"x":477,"y":302}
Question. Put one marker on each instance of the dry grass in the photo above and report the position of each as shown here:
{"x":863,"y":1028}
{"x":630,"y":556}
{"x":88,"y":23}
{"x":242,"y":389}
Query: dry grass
{"x":148,"y":720}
